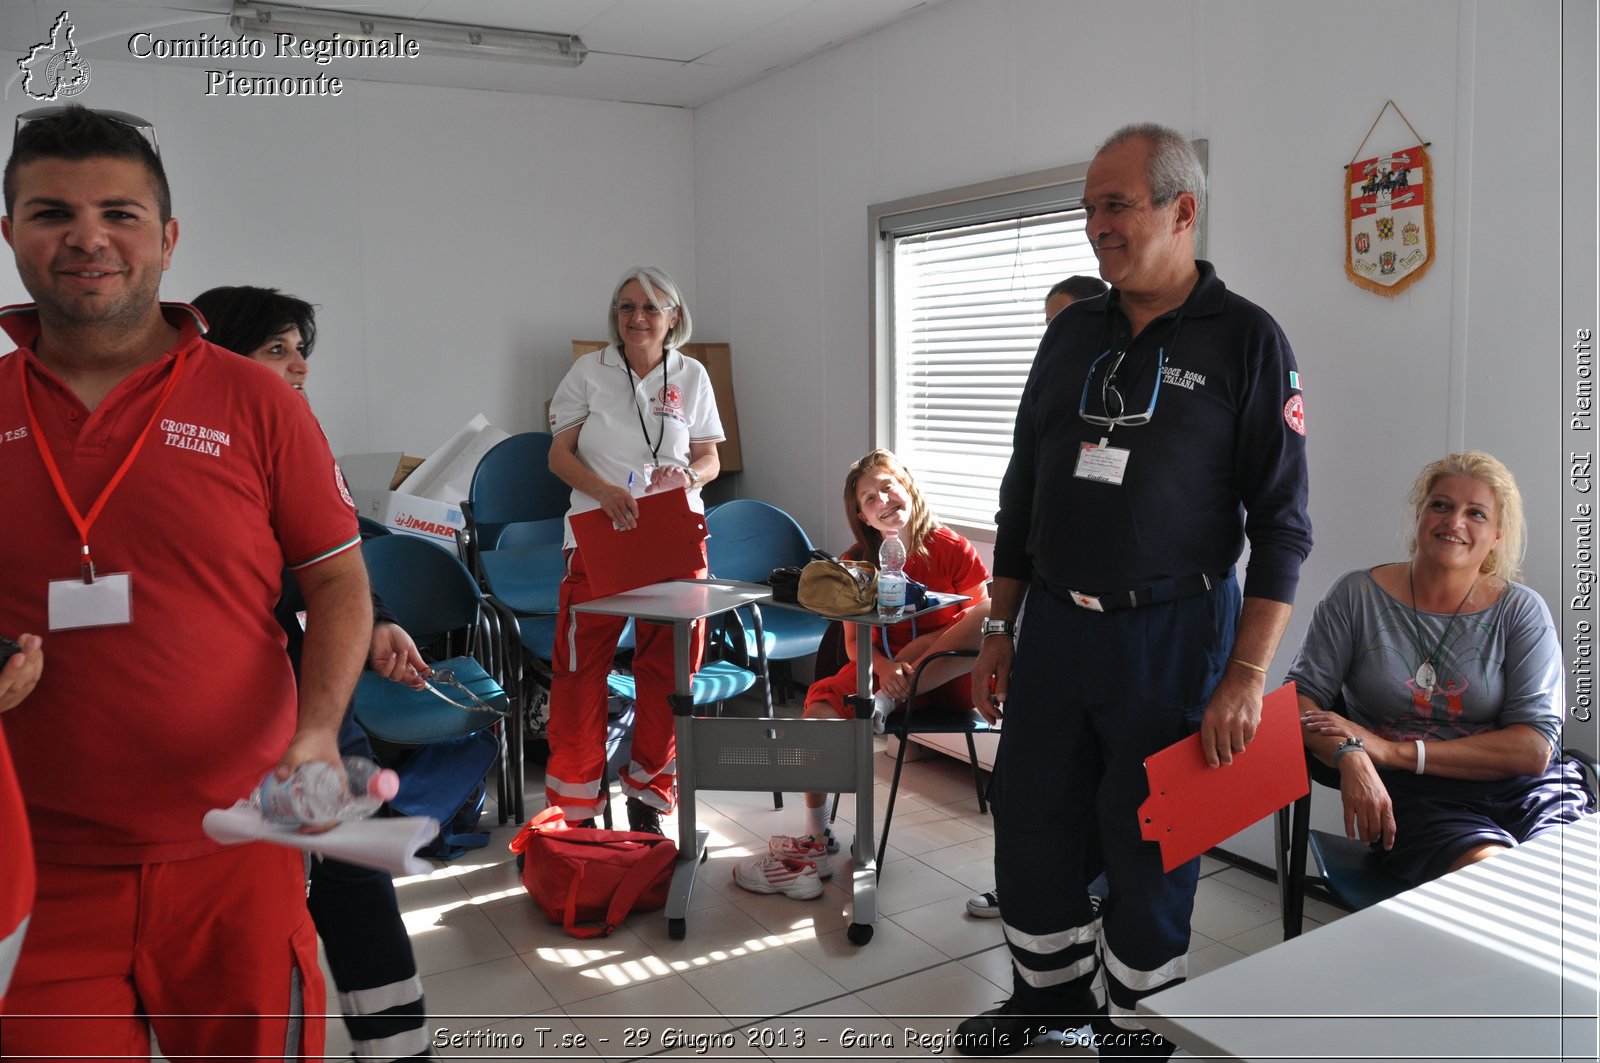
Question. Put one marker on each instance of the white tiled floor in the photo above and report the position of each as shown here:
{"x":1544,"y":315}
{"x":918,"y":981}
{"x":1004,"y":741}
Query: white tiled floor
{"x":753,"y":969}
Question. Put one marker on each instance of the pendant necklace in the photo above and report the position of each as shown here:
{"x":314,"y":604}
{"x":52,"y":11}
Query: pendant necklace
{"x":1427,"y":676}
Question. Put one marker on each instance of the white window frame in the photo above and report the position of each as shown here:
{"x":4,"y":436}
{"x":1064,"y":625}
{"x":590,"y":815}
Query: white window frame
{"x":1022,"y":196}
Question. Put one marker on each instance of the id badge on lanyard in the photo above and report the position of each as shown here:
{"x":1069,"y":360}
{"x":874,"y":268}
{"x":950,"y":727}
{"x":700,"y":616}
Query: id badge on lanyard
{"x":91,"y":600}
{"x":1102,"y":462}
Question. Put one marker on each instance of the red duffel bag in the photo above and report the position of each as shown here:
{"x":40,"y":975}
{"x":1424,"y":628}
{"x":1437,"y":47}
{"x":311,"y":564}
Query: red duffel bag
{"x":587,"y":880}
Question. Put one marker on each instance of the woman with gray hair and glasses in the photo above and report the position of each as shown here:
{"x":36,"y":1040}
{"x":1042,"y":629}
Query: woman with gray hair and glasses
{"x":635,"y":418}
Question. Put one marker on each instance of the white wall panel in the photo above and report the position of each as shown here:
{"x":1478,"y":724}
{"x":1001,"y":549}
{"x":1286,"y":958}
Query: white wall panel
{"x":455,"y":240}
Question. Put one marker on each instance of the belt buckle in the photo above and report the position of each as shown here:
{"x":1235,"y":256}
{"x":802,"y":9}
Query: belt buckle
{"x":1087,"y":601}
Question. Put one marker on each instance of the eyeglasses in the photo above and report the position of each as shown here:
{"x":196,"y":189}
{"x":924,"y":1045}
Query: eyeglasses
{"x":650,"y":309}
{"x":143,"y":126}
{"x":1111,"y":398}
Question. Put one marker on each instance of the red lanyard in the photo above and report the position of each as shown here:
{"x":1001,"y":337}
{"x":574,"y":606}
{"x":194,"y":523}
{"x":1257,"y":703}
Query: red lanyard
{"x":81,"y":522}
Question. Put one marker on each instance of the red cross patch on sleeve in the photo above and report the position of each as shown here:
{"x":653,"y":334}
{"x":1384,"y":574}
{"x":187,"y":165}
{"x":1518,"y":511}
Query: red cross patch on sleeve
{"x":1294,"y":413}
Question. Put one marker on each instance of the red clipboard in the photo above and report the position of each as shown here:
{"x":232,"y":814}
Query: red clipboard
{"x":1193,"y":806}
{"x":664,"y":545}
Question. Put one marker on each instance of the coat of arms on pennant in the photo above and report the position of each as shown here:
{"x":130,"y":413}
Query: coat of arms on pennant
{"x":1388,"y":220}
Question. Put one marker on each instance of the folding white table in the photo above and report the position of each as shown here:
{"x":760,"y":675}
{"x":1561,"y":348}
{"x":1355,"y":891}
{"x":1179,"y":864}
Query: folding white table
{"x":786,"y":755}
{"x":1497,"y":961}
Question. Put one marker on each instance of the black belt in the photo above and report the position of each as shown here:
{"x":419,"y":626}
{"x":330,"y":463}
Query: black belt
{"x":1165,"y":591}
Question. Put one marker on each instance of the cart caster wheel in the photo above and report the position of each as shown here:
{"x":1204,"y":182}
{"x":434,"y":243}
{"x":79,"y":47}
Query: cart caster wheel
{"x":859,"y":933}
{"x":522,"y":858}
{"x":676,"y":929}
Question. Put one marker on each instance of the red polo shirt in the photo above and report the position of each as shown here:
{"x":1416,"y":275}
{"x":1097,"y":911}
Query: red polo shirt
{"x":135,"y":730}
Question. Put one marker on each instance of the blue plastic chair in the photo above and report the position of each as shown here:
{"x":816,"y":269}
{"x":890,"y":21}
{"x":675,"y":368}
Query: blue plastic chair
{"x":436,"y":600}
{"x":513,"y":483}
{"x":748,"y":539}
{"x":513,"y":490}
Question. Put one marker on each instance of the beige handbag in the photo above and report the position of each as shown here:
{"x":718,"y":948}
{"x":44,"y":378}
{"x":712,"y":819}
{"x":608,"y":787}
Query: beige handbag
{"x":838,"y":588}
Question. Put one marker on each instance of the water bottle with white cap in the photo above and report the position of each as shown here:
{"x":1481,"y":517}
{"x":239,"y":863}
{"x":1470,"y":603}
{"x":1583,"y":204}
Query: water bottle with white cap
{"x":891,"y":576}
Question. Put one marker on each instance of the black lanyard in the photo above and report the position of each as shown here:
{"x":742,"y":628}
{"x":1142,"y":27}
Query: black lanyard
{"x":661,"y":412}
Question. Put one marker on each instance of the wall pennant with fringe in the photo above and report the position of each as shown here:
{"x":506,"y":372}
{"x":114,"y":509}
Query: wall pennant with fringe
{"x":1388,"y":215}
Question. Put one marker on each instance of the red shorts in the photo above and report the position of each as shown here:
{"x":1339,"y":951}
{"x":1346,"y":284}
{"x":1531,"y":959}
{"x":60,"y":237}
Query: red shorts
{"x":217,"y":955}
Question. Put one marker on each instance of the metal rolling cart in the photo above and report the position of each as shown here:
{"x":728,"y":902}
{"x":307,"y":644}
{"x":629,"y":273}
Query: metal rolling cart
{"x":726,"y":753}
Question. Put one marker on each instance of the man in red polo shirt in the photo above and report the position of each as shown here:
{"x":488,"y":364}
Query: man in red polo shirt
{"x":157,"y":486}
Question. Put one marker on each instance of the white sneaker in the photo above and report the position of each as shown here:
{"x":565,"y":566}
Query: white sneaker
{"x":882,"y":706}
{"x":771,"y":874}
{"x":984,"y":905}
{"x":804,"y":848}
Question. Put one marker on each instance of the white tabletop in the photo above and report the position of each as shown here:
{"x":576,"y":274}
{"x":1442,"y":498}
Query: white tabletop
{"x":1498,"y":961}
{"x":675,"y":600}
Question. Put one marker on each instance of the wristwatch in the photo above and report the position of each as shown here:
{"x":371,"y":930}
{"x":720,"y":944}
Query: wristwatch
{"x":1349,"y":745}
{"x":992,"y":626}
{"x":694,"y":477}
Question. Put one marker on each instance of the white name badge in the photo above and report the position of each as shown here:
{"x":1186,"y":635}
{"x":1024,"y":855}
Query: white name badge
{"x":74,"y":603}
{"x":1101,"y":463}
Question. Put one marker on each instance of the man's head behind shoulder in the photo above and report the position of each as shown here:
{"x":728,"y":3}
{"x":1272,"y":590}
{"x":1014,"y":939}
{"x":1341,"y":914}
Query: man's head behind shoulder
{"x":1066,"y":292}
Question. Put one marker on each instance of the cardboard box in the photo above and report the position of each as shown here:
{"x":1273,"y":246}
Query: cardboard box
{"x":370,"y":477}
{"x":435,"y":486}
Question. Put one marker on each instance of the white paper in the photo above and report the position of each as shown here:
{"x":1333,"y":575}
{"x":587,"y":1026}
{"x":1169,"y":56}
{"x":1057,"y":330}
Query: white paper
{"x":446,"y":474}
{"x":387,"y":844}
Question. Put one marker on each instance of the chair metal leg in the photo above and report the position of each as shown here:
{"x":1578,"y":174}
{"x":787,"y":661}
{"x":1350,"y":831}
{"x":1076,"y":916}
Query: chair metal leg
{"x":977,"y":774}
{"x":1295,"y":906}
{"x":766,"y":682}
{"x":888,"y":811}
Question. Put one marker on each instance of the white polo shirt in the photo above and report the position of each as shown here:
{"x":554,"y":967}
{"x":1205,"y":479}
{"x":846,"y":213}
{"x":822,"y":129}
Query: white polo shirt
{"x":623,"y":416}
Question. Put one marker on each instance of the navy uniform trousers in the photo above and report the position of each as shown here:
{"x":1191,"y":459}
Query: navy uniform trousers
{"x":1091,"y":695}
{"x":357,"y":915}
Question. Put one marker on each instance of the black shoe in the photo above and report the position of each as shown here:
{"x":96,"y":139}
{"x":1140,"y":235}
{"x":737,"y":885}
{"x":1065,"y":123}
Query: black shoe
{"x":1009,"y":1029}
{"x":643,"y":819}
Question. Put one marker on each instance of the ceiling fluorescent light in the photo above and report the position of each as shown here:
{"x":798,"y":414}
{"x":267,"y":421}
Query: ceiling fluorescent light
{"x":435,"y":38}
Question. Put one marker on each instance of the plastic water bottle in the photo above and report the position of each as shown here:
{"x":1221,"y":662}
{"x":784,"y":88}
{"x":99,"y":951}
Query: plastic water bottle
{"x":317,"y":792}
{"x":891,"y":576}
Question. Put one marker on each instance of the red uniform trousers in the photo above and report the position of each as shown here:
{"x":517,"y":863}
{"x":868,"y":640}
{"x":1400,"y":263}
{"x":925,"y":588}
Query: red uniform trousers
{"x":586,"y":645}
{"x":217,"y":955}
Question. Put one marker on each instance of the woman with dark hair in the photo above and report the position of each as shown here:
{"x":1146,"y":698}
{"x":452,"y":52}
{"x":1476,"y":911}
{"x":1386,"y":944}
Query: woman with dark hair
{"x":355,"y":908}
{"x":258,"y":323}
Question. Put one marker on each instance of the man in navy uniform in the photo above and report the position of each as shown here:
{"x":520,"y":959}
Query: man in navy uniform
{"x":1161,"y":426}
